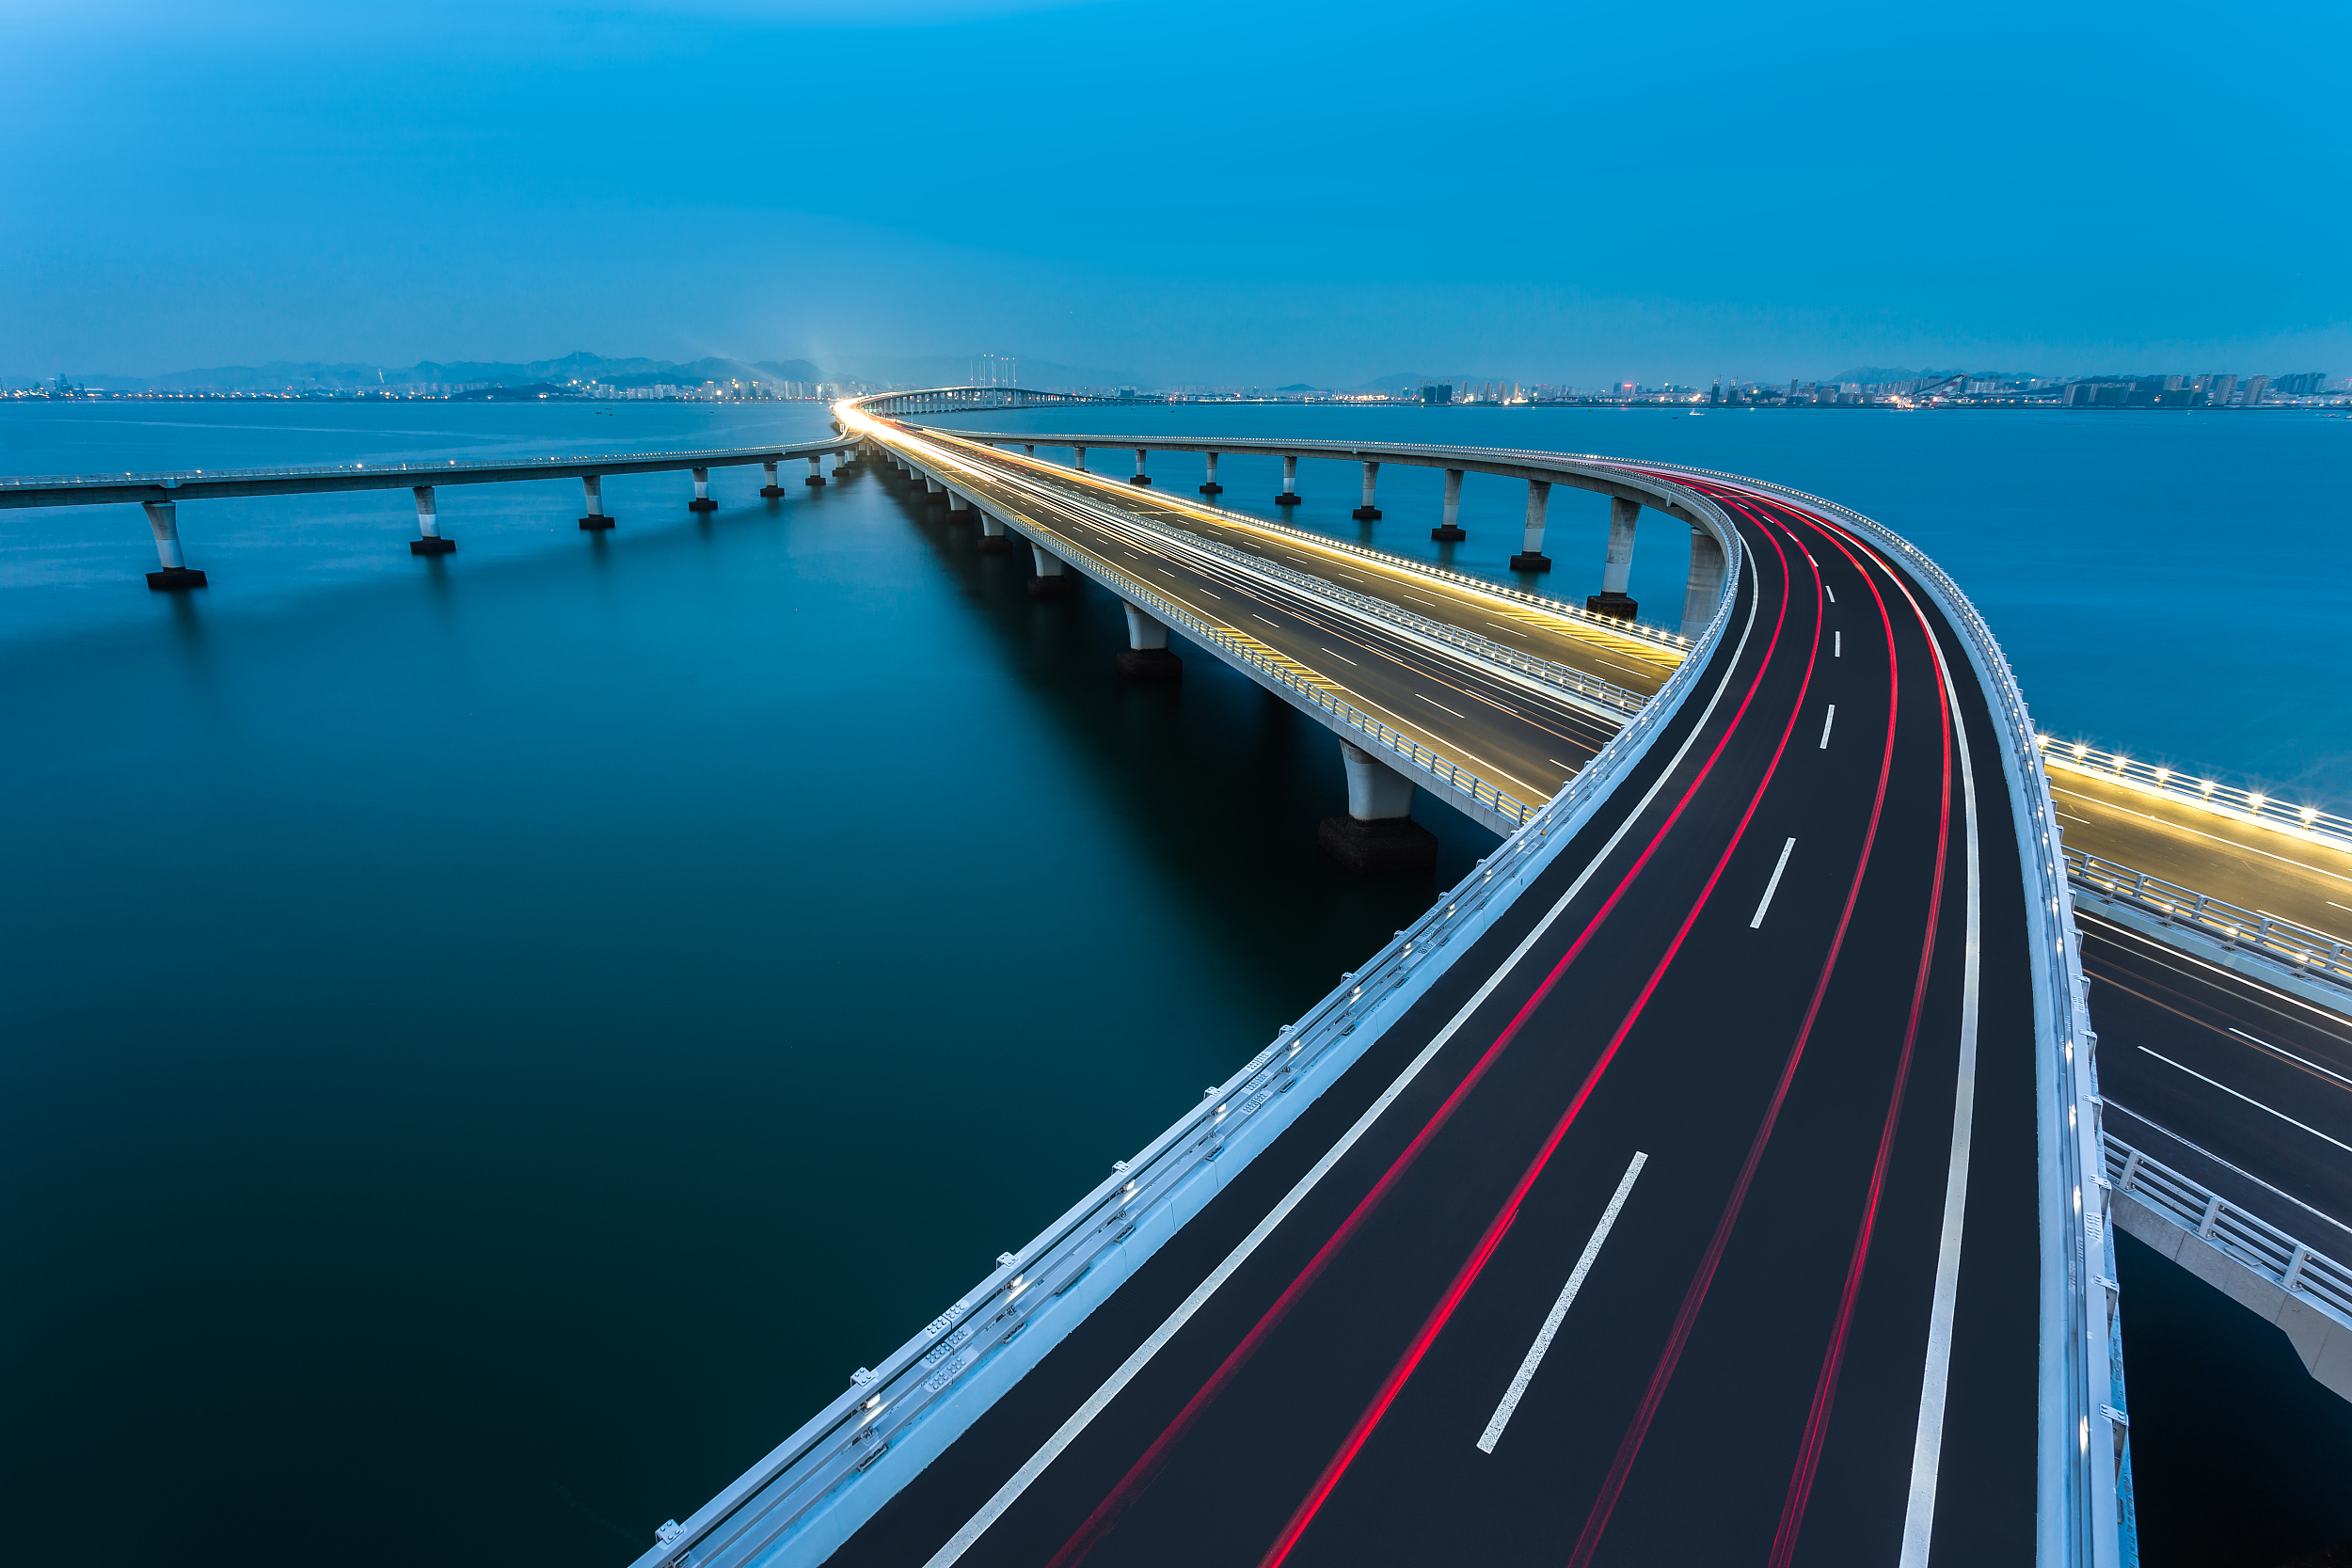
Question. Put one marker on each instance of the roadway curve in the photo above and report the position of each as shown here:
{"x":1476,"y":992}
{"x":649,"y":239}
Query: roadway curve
{"x":1736,"y":1016}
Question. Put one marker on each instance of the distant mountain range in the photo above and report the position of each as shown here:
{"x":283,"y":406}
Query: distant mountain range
{"x":313,"y":376}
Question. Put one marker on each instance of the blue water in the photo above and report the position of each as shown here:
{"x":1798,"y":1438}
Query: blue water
{"x":493,"y":1040}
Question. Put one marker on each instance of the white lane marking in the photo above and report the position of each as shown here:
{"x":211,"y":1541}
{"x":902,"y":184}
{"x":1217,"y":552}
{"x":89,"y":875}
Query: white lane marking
{"x":1263,"y":622}
{"x":1511,"y":1395}
{"x":2218,"y":838}
{"x":1342,"y":659}
{"x":2333,"y":905}
{"x":1440,"y":707}
{"x":1831,"y":592}
{"x":2306,"y":1061}
{"x":1021,"y":1480}
{"x":1769,"y":888}
{"x":2251,"y":1100}
{"x":1927,"y":1443}
{"x":1827,"y":719}
{"x":2243,"y":1036}
{"x":1557,"y":763}
{"x":1513,"y":630}
{"x":2237,"y":1170}
{"x":1837,"y":644}
{"x":1212,"y":592}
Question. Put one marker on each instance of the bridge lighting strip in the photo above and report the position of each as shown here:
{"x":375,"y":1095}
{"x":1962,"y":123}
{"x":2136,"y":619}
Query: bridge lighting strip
{"x":2308,"y":823}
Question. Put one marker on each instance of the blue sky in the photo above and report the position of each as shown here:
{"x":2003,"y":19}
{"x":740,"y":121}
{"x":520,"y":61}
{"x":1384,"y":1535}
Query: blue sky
{"x":1208,"y":191}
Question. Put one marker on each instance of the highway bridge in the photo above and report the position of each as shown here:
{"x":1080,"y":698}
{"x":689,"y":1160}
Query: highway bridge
{"x":1740,"y":1112}
{"x":1735,"y":1120}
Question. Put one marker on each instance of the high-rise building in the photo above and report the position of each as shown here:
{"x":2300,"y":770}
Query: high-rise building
{"x":2256,"y":389}
{"x":2308,"y":384}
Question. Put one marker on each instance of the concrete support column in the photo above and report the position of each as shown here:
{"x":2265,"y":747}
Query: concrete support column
{"x":994,"y":539}
{"x":428,"y":540}
{"x":1078,"y":457}
{"x":164,"y":519}
{"x":958,"y":510}
{"x":1450,"y":531}
{"x":1532,"y":557}
{"x":1706,"y":585}
{"x":1290,"y":481}
{"x":592,"y":490}
{"x":1212,"y":487}
{"x":1147,"y":657}
{"x":1378,"y":832}
{"x":934,"y":493}
{"x":1028,"y":448}
{"x":1617,"y":570}
{"x":1369,"y":513}
{"x":771,"y":489}
{"x":702,"y":501}
{"x":816,"y":469}
{"x":1050,"y":581}
{"x":1141,"y":478}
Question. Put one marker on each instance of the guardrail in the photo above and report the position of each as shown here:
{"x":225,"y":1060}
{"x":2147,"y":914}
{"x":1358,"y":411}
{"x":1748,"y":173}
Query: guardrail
{"x":2254,"y":1242}
{"x":2299,"y":948}
{"x":2250,"y":805}
{"x":860,"y":1426}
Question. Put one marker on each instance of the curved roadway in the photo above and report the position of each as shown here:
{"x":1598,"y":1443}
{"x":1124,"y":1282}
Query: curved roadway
{"x":1682,"y":1221}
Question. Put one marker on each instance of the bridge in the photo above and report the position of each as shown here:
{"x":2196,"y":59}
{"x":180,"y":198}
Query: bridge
{"x":1736,"y":1116}
{"x":1527,"y":1218}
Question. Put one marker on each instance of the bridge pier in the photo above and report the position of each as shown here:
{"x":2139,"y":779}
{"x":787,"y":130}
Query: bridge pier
{"x":702,"y":501}
{"x":1078,"y":457}
{"x":1378,"y":832}
{"x":164,"y":519}
{"x":994,"y":539}
{"x":1706,"y":584}
{"x":1450,"y":531}
{"x":1290,"y":496}
{"x":1141,"y":478}
{"x":592,"y":486}
{"x":933,"y":492}
{"x":816,"y":467}
{"x":1212,"y":487}
{"x":771,"y":489}
{"x":1028,"y":448}
{"x":1618,"y":569}
{"x":1369,"y":513}
{"x":1532,"y":557}
{"x":428,"y":540}
{"x":1050,"y":581}
{"x":958,"y":510}
{"x":1147,"y":657}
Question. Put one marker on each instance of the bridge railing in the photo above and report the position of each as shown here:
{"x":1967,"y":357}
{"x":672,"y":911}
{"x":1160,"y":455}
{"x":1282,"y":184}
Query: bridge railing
{"x":1143,"y":1200}
{"x":2249,"y":804}
{"x":2252,"y":1242}
{"x":2299,"y":948}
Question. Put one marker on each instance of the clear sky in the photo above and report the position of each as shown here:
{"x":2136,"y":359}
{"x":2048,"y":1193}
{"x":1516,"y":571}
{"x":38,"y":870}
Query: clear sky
{"x":1206,"y":191}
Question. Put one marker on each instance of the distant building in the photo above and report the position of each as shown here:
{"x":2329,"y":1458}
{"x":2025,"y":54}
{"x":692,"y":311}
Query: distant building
{"x":1437,"y":393}
{"x":2257,"y":387}
{"x":2309,"y":384}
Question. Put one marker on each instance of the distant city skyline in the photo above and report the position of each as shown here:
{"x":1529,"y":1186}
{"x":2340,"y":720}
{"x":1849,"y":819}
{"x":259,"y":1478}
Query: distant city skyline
{"x":1198,"y":194}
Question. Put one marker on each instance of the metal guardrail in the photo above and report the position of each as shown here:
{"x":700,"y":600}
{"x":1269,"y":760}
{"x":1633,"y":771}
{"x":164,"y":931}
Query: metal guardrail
{"x":860,"y":1426}
{"x":2251,"y":806}
{"x":1624,"y":700}
{"x":2299,"y":948}
{"x":2254,"y":1242}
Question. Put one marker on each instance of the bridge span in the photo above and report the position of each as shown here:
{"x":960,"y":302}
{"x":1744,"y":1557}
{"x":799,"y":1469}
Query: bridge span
{"x":1714,"y":1175}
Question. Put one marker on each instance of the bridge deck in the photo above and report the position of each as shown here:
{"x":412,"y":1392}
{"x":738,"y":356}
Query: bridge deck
{"x":1750,"y":970}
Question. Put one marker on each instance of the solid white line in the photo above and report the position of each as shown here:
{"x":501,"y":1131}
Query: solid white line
{"x":1827,"y":719}
{"x":1927,"y":1445}
{"x":1021,"y":1480}
{"x":2250,"y":1099}
{"x":1769,"y":888}
{"x":2243,"y":1036}
{"x":1526,"y":1374}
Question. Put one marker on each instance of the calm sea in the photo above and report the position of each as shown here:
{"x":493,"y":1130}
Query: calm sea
{"x":493,"y":1042}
